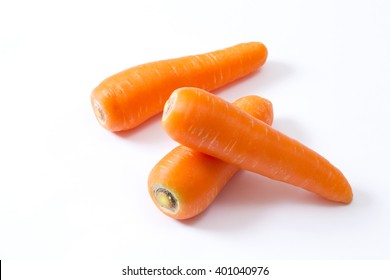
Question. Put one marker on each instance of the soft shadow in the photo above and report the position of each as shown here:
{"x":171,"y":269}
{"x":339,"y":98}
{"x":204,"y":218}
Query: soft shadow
{"x":151,"y":131}
{"x":274,"y":72}
{"x":247,"y":198}
{"x":291,"y":128}
{"x":270,"y":74}
{"x":361,"y":197}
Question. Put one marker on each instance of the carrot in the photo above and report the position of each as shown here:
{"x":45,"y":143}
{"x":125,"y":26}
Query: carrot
{"x":185,"y":182}
{"x":126,"y":99}
{"x":205,"y":122}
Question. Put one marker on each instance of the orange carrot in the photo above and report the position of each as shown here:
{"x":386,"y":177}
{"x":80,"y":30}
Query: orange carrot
{"x":205,"y":122}
{"x":185,"y":182}
{"x":126,"y":99}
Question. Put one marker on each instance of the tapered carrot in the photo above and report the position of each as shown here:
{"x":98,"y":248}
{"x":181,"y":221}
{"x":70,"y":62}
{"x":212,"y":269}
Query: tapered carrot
{"x":185,"y":182}
{"x":205,"y":122}
{"x":126,"y":99}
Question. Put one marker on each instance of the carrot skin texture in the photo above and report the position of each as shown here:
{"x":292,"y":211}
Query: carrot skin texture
{"x":128,"y":98}
{"x":204,"y":122}
{"x":196,"y":178}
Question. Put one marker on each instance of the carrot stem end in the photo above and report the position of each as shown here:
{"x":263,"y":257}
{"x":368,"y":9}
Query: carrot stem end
{"x":169,"y":105}
{"x":99,"y":112}
{"x":166,"y":199}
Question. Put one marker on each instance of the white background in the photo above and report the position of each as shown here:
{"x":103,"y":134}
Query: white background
{"x":71,"y":189}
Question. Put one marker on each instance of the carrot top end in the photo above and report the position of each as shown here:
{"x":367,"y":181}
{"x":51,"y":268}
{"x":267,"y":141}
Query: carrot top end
{"x":99,"y":112}
{"x":166,"y":200}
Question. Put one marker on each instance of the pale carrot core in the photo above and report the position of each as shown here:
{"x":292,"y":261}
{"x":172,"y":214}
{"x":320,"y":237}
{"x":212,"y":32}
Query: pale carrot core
{"x":165,"y":199}
{"x":169,"y":105}
{"x":101,"y":116}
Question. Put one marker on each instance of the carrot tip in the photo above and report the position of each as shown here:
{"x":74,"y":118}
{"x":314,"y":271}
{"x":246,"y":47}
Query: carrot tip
{"x":100,"y":115}
{"x":166,"y":199}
